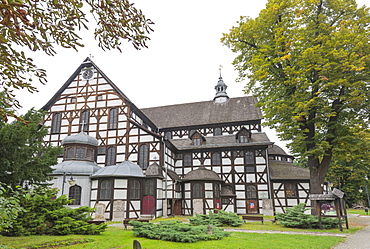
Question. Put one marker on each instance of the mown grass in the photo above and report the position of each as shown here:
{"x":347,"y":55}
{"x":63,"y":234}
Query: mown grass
{"x":115,"y":237}
{"x":357,"y":211}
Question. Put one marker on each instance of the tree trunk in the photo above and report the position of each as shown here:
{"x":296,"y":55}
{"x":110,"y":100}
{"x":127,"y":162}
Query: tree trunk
{"x":317,"y":174}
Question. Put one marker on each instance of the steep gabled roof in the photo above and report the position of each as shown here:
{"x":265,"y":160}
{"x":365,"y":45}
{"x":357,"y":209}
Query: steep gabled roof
{"x":86,"y":63}
{"x":235,"y":110}
{"x":89,"y":63}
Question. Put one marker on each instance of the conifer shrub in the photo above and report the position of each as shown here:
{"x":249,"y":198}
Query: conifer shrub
{"x":44,"y":213}
{"x":296,"y":218}
{"x":176,"y":231}
{"x":220,"y":218}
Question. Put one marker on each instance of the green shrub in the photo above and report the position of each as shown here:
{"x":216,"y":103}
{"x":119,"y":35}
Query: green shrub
{"x":176,"y":231}
{"x":44,"y":213}
{"x":296,"y":218}
{"x":221,"y":218}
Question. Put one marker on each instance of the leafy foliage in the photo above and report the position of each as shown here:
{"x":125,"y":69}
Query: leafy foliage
{"x":43,"y":213}
{"x":43,"y":25}
{"x":296,"y":218}
{"x":349,"y":168}
{"x":176,"y":231}
{"x":308,"y":63}
{"x":9,"y":208}
{"x":24,"y":155}
{"x":220,"y":218}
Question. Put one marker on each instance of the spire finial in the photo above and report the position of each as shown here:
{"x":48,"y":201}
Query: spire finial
{"x":221,"y":95}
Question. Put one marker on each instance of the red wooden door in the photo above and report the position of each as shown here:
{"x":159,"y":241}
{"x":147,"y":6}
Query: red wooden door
{"x":148,"y":205}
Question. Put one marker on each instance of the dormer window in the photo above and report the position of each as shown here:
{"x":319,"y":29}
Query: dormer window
{"x":243,"y":136}
{"x":197,"y":139}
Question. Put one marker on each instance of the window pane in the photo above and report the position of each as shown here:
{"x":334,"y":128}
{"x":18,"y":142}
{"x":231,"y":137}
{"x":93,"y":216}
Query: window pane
{"x":197,"y":191}
{"x":251,"y":192}
{"x":84,"y":122}
{"x":217,"y":132}
{"x":216,"y":158}
{"x":187,"y":160}
{"x":135,"y":189}
{"x":75,"y":193}
{"x":80,"y":153}
{"x":55,"y":125}
{"x":70,"y":153}
{"x":111,"y":156}
{"x":249,"y":157}
{"x":149,"y":187}
{"x":113,"y":119}
{"x":143,"y":156}
{"x":105,"y":189}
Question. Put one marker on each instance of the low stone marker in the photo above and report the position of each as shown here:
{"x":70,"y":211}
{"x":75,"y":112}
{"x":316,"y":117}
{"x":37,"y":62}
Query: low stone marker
{"x":137,"y":244}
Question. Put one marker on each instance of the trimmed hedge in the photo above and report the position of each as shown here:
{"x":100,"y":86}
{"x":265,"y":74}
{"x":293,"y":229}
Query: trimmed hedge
{"x":221,"y":218}
{"x":176,"y":231}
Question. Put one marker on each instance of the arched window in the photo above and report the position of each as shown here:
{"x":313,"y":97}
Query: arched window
{"x":216,"y":158}
{"x":89,"y":154}
{"x":143,"y":156}
{"x":135,"y":192}
{"x":84,"y":120}
{"x":80,"y":153}
{"x":105,"y":189}
{"x":111,"y":156}
{"x":197,"y":191}
{"x":75,"y":195}
{"x":55,"y":123}
{"x":251,"y":192}
{"x":113,"y":118}
{"x":70,"y":153}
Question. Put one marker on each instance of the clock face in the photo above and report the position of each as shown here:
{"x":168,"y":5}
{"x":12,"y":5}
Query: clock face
{"x":87,"y":74}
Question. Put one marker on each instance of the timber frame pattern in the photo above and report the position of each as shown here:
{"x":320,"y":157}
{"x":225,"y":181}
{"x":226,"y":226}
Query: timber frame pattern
{"x":234,"y":147}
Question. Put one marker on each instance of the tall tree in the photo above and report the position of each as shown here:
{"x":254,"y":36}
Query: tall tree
{"x":308,"y":62}
{"x":23,"y":153}
{"x":41,"y":25}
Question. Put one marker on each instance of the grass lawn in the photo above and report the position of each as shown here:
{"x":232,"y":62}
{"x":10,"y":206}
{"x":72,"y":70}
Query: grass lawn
{"x":357,"y":211}
{"x":115,"y":237}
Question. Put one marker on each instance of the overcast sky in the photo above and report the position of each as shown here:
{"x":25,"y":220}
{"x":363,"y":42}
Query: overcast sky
{"x":181,"y":64}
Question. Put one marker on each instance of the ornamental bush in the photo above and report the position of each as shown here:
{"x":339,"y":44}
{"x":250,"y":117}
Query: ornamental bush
{"x":220,"y":218}
{"x":296,"y":218}
{"x":44,"y":213}
{"x":176,"y":231}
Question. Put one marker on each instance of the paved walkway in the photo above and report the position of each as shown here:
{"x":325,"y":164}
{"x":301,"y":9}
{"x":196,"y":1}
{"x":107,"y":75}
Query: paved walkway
{"x":360,"y":239}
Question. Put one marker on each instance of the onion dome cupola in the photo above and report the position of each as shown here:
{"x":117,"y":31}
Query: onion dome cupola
{"x":221,"y":95}
{"x":79,"y":155}
{"x":79,"y":147}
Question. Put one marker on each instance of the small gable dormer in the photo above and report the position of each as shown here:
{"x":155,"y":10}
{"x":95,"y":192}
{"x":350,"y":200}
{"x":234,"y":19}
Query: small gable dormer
{"x":197,"y":139}
{"x":243,"y":136}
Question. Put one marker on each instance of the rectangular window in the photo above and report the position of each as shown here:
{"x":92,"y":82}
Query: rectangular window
{"x":216,"y":158}
{"x":187,"y":160}
{"x":84,"y":121}
{"x":105,"y":189}
{"x":135,"y":189}
{"x":290,"y":189}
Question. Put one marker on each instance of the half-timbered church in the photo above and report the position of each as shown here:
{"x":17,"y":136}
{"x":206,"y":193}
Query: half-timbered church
{"x":171,"y":160}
